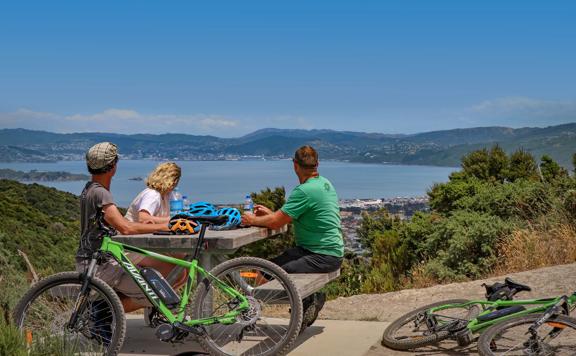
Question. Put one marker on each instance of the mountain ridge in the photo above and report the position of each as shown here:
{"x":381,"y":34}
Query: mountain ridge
{"x":443,"y":147}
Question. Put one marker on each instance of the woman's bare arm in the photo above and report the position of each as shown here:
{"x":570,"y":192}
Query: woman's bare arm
{"x":145,"y":217}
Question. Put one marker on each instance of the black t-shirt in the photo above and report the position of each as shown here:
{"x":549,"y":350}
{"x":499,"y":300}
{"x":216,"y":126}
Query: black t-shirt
{"x":93,"y":198}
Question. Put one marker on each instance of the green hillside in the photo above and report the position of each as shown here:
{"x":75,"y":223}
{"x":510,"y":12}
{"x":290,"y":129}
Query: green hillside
{"x":40,"y":221}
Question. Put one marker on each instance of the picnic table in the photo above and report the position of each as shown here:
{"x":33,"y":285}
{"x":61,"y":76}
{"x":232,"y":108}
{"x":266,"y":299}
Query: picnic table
{"x":217,"y":244}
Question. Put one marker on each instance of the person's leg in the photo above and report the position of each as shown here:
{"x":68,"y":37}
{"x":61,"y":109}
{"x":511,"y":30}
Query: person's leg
{"x":285,"y":258}
{"x":291,"y":254}
{"x":310,"y":262}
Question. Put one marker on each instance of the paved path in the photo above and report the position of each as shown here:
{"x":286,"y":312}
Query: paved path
{"x":325,"y":337}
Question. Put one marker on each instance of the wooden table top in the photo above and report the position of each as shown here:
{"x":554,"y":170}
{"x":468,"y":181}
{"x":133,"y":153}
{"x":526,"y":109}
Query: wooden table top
{"x":216,"y":240}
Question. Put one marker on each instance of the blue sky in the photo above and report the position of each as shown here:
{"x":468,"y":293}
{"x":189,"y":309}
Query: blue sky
{"x":230,"y":67}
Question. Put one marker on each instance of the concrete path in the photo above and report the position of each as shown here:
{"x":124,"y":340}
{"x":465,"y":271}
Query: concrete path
{"x":325,"y":337}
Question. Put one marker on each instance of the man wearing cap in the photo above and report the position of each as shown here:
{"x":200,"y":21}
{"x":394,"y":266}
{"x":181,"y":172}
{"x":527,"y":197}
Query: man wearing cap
{"x":314,"y":210}
{"x":96,"y":203}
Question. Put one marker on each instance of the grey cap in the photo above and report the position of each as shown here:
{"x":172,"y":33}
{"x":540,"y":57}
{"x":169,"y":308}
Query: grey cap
{"x":101,"y":154}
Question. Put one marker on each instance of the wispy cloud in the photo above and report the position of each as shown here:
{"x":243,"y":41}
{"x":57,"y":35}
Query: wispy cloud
{"x":515,"y":111}
{"x":119,"y":121}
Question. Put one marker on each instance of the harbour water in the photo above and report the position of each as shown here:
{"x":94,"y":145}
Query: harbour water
{"x":230,"y":181}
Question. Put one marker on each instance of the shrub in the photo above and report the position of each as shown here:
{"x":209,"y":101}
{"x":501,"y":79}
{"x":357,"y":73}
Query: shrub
{"x":464,"y":246}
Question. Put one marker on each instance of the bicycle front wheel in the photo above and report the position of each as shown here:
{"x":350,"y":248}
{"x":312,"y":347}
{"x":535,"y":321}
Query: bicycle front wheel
{"x":44,"y":312}
{"x":411,"y":330}
{"x":557,"y":336}
{"x":271,"y":324}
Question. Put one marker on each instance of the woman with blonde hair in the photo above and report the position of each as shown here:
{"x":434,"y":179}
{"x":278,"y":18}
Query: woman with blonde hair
{"x":152,"y":205}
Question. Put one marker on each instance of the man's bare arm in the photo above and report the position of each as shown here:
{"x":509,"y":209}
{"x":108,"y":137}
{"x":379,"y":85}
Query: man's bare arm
{"x":116,"y":220}
{"x":273,"y":221}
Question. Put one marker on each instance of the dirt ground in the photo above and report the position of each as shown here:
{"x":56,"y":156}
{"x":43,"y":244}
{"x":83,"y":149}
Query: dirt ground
{"x":545,"y":282}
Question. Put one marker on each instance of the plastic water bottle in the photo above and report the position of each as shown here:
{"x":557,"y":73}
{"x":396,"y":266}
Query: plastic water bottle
{"x":176,"y":202}
{"x":248,"y":203}
{"x":185,"y":203}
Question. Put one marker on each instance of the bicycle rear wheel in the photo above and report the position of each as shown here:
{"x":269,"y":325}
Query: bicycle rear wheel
{"x":557,"y":336}
{"x":271,"y":324}
{"x":45,"y":310}
{"x":409,"y":332}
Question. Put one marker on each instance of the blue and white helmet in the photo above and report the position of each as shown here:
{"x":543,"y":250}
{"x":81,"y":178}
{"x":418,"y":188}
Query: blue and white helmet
{"x":201,"y":208}
{"x":234,"y":219}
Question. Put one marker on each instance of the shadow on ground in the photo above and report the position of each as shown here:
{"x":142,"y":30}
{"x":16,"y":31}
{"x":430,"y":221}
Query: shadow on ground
{"x":444,"y":348}
{"x":140,"y":339}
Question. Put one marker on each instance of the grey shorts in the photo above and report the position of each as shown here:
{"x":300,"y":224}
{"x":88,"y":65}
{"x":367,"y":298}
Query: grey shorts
{"x":111,"y":273}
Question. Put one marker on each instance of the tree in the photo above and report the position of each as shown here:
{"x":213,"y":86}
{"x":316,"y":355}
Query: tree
{"x":551,"y":170}
{"x":273,"y":199}
{"x":477,"y":164}
{"x":373,"y":223}
{"x":487,"y":165}
{"x":498,"y":164}
{"x":522,"y":166}
{"x":268,"y":248}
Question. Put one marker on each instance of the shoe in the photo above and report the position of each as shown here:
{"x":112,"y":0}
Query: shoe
{"x":149,"y":314}
{"x":101,"y":322}
{"x":319,"y":300}
{"x":153,"y":318}
{"x":311,"y":307}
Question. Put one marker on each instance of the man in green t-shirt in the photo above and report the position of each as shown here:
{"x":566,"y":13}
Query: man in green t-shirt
{"x":313,"y":209}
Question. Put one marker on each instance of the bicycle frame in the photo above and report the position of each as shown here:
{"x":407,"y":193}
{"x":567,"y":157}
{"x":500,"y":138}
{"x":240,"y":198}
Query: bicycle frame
{"x":117,"y":249}
{"x":475,"y":325}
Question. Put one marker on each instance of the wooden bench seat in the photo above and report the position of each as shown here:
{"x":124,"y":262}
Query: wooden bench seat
{"x":306,"y":283}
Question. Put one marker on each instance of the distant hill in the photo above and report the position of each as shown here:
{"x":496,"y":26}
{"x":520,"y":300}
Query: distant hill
{"x":38,"y":176}
{"x":443,"y":148}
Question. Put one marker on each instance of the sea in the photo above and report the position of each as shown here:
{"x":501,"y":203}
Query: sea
{"x":228,"y":182}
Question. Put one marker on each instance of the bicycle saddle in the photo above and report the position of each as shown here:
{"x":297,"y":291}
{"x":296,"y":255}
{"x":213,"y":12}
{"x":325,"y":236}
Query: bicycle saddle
{"x":519,"y":287}
{"x":204,"y":219}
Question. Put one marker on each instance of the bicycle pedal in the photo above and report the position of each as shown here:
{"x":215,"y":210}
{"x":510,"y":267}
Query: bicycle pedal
{"x":196,"y":330}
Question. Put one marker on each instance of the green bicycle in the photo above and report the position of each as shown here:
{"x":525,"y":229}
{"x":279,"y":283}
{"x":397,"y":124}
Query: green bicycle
{"x":246,"y":305}
{"x":550,"y":333}
{"x":461,"y":319}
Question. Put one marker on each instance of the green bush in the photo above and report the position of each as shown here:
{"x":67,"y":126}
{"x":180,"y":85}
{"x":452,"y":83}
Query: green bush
{"x":471,"y":218}
{"x":464,"y":246}
{"x":11,"y":340}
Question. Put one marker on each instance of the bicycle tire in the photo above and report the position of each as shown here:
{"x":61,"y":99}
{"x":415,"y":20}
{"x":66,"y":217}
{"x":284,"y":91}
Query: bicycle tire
{"x":486,"y":341}
{"x":408,"y":343}
{"x":203,"y":296}
{"x":75,"y":279}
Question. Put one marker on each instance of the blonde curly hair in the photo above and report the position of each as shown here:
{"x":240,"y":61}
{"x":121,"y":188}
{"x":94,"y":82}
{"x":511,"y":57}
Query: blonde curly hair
{"x":164,"y":177}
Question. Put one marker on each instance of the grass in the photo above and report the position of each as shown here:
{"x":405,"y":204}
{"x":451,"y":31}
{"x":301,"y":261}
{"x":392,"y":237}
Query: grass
{"x":533,"y":248}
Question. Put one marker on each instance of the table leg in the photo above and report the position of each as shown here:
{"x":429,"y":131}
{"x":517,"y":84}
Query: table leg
{"x":206,"y":261}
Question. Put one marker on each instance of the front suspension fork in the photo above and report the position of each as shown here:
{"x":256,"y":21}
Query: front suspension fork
{"x":82,"y":298}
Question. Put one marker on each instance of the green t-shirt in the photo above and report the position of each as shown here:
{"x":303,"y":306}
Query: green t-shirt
{"x":313,"y":207}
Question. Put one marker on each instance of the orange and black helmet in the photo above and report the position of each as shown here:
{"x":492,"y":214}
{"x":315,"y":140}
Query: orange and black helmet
{"x":184,"y":226}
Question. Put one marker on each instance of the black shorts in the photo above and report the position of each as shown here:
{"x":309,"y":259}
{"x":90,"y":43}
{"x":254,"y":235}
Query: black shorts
{"x":300,"y":260}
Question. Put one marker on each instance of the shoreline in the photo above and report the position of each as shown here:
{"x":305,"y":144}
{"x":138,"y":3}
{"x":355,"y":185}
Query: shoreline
{"x":392,"y":164}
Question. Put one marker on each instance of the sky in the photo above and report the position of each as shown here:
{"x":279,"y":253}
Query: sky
{"x":227,"y":68}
